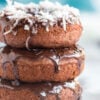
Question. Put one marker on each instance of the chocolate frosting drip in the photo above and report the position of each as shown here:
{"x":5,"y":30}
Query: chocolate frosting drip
{"x":8,"y":56}
{"x":11,"y":55}
{"x":57,"y":97}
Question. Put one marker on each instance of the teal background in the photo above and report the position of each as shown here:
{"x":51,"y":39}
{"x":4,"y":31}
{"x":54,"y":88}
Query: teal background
{"x":90,"y":41}
{"x":84,"y":5}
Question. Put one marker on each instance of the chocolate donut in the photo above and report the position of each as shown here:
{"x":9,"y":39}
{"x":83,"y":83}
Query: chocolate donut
{"x":41,"y":91}
{"x":38,"y":65}
{"x":35,"y":25}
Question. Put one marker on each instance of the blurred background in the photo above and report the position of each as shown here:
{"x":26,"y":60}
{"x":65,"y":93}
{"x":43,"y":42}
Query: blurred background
{"x":90,"y":40}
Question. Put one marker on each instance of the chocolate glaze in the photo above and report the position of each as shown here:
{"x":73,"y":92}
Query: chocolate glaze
{"x":57,"y":97}
{"x":10,"y":55}
{"x":5,"y":84}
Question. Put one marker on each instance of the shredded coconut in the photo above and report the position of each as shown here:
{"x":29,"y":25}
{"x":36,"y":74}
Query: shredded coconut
{"x":56,"y":89}
{"x":70,"y":85}
{"x":43,"y":93}
{"x":46,"y":13}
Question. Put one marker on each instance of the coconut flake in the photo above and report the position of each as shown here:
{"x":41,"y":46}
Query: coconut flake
{"x":70,"y":85}
{"x":47,"y":28}
{"x":43,"y":93}
{"x":15,"y":33}
{"x":6,"y":86}
{"x":26,"y":27}
{"x":46,"y":13}
{"x":27,"y":43}
{"x":49,"y":84}
{"x":64,"y":23}
{"x":7,"y":32}
{"x":56,"y":89}
{"x":34,"y":31}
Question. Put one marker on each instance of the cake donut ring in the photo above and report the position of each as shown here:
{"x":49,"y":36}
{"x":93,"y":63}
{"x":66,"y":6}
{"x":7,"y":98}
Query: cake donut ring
{"x":35,"y":25}
{"x":41,"y":91}
{"x":55,"y":65}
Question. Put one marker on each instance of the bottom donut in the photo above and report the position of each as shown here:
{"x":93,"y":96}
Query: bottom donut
{"x":41,"y":91}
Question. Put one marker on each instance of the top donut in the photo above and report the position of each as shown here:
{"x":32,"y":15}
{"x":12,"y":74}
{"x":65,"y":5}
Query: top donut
{"x":43,"y":25}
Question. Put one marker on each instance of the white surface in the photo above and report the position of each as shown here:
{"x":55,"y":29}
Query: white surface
{"x":90,"y":78}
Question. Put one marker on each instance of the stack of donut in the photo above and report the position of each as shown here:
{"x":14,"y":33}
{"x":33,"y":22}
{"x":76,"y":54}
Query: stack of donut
{"x":41,"y":59}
